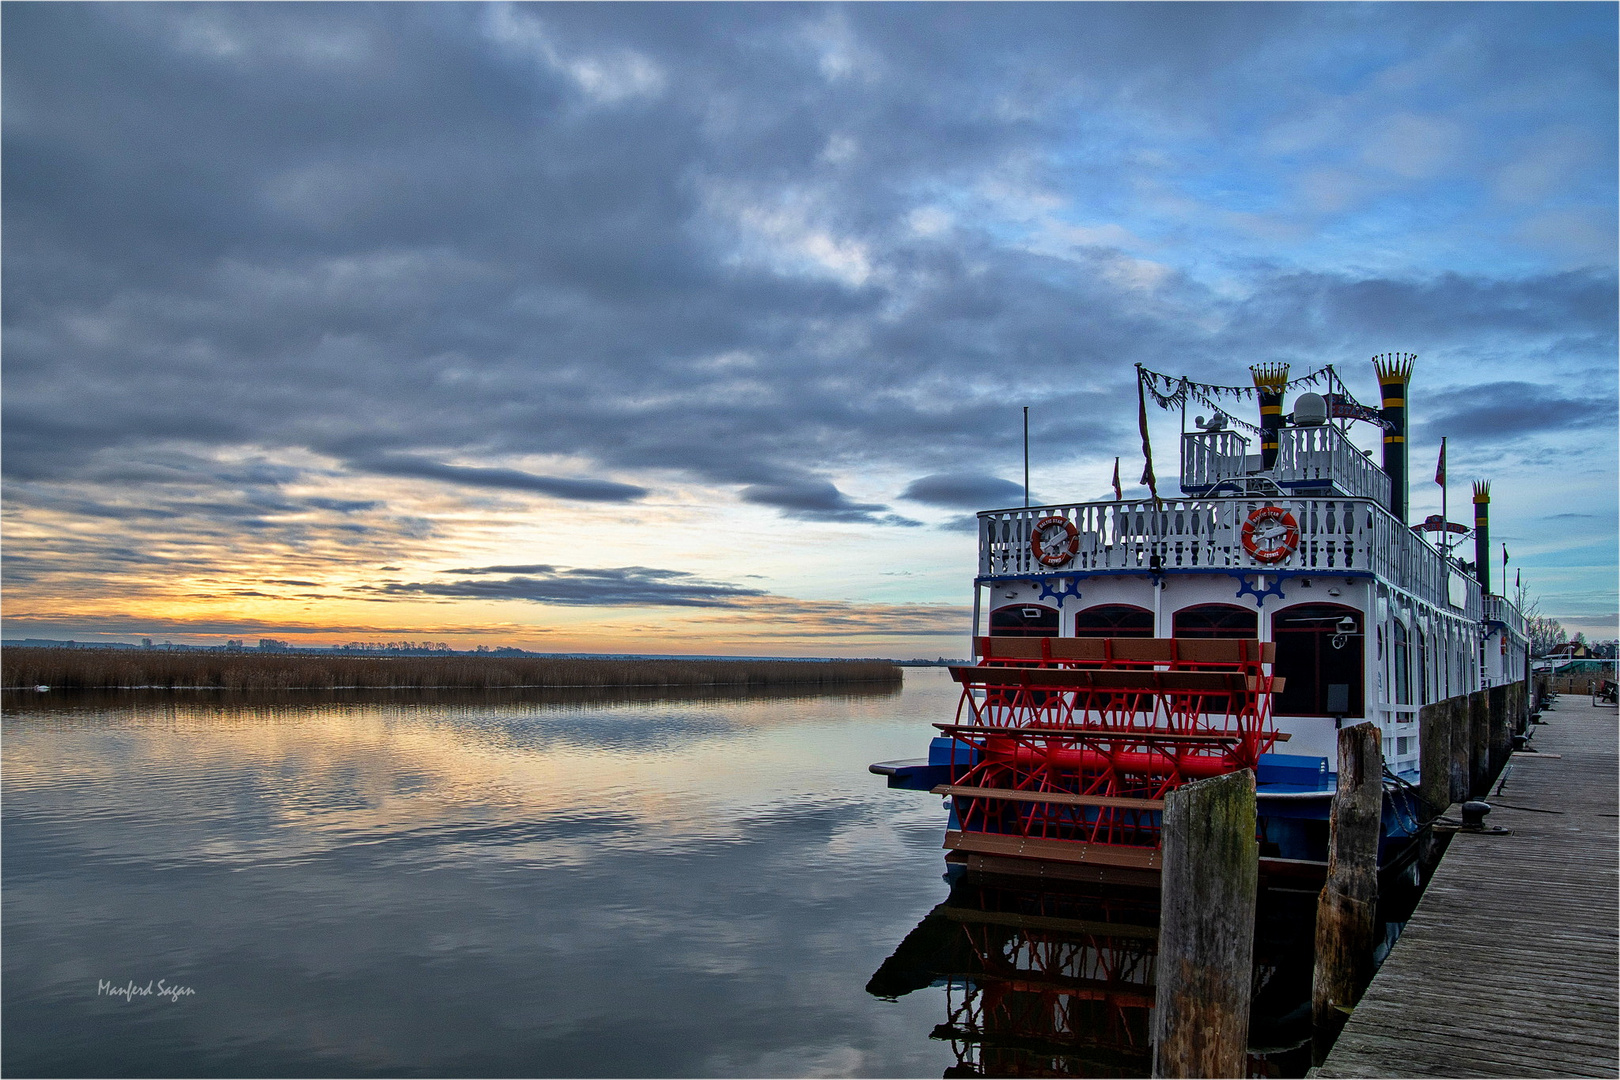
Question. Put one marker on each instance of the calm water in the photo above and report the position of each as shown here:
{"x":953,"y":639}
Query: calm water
{"x":468,"y":887}
{"x":489,"y":885}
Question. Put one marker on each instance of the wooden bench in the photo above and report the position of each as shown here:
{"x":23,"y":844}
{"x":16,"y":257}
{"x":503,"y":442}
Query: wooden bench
{"x":1115,"y":652}
{"x":1142,"y":681}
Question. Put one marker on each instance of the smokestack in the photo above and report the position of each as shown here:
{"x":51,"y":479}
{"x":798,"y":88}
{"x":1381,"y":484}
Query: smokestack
{"x":1394,"y":373}
{"x":1271,"y":381}
{"x":1482,"y":534}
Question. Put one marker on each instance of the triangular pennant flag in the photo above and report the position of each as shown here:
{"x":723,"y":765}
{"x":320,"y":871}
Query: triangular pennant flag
{"x":1119,"y":494}
{"x":1440,"y":469}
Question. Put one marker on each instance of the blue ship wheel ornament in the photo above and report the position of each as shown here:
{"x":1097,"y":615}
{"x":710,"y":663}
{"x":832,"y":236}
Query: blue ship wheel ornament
{"x":1066,"y":586}
{"x":1252,"y":584}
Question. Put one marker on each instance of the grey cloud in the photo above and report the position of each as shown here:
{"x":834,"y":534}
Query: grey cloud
{"x":344,"y":506}
{"x":507,"y":479}
{"x":964,"y":491}
{"x":628,"y":586}
{"x":423,"y":246}
{"x":806,"y":496}
{"x":962,"y":523}
{"x":1510,"y":410}
{"x":497,"y":267}
{"x":1426,"y":311}
{"x":820,"y":500}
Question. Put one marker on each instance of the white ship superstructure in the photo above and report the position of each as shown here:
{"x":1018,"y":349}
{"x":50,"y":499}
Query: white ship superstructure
{"x":1303,"y":544}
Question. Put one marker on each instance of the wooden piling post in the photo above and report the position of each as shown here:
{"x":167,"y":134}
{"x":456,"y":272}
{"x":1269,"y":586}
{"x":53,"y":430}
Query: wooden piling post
{"x":1462,"y":741}
{"x":1434,"y":746}
{"x":1501,"y":730}
{"x":1479,"y":726}
{"x":1211,"y":877}
{"x":1346,"y":913}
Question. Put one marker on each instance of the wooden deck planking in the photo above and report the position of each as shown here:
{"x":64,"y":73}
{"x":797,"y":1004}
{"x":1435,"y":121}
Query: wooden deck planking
{"x":1511,"y":964}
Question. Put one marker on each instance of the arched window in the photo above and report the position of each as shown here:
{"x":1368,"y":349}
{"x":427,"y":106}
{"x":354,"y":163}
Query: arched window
{"x":1024,"y":620}
{"x":1114,"y":620}
{"x":1320,"y":648}
{"x":1446,"y":655}
{"x":1425,"y":692}
{"x":1401,"y":659}
{"x":1217,"y":621}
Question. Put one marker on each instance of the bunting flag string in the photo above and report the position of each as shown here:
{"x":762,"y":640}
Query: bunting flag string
{"x":1173,"y":392}
{"x":1253,"y":429}
{"x":1175,"y":385}
{"x":1173,"y":400}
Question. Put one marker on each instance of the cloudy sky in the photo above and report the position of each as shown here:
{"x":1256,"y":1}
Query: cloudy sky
{"x":698,"y":328}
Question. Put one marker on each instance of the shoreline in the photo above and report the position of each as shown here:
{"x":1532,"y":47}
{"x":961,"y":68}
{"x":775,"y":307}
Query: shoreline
{"x":26,"y":669}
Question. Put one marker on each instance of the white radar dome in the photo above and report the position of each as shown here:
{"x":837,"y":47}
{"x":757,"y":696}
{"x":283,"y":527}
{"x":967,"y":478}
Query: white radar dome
{"x":1310,"y":410}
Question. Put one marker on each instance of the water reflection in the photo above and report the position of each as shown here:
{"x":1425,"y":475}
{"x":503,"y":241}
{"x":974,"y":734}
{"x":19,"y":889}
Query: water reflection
{"x":698,"y":886}
{"x":1057,"y":979}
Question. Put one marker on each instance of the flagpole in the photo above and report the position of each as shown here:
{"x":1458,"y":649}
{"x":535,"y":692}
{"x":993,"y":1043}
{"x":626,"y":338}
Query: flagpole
{"x":1026,"y":457}
{"x":1445,"y":515}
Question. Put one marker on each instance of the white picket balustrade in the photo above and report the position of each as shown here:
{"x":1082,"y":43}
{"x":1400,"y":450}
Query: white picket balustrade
{"x":1335,"y":534}
{"x":1306,"y":457}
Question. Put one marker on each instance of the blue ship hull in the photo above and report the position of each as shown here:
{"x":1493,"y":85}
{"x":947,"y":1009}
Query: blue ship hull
{"x":1294,"y":793}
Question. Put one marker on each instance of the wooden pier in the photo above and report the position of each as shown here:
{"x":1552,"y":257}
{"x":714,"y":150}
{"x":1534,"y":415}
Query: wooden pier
{"x":1510,"y":965}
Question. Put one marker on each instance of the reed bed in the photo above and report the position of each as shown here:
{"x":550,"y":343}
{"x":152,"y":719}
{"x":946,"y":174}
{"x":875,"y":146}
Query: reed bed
{"x":115,"y":669}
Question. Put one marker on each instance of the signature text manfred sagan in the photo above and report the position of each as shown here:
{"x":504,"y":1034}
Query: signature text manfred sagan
{"x":132,"y":990}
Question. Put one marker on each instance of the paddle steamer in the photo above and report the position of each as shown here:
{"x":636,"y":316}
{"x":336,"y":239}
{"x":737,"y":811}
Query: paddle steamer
{"x":1124,"y":647}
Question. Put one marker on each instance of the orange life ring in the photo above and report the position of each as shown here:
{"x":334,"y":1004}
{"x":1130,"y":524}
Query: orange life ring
{"x":1054,"y":556}
{"x":1278,"y":534}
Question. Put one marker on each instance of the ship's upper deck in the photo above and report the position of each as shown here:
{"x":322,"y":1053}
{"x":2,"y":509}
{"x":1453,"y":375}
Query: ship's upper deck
{"x":1336,"y":502}
{"x":1316,"y":460}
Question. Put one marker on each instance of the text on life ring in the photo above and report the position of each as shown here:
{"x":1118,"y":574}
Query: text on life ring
{"x":1270,"y":534}
{"x":1051,"y":548}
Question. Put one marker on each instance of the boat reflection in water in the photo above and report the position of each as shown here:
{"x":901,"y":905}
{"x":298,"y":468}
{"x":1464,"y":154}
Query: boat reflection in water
{"x":1057,"y":978}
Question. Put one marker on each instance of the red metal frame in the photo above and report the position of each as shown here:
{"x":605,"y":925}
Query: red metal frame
{"x":1127,"y":719}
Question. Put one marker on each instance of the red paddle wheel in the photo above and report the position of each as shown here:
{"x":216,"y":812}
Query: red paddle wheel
{"x":1077,"y":740}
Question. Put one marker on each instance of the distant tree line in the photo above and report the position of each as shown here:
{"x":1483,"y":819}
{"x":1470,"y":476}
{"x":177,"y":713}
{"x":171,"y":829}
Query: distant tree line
{"x":1547,"y":634}
{"x":111,"y":669}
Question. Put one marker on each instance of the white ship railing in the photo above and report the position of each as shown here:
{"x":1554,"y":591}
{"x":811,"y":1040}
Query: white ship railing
{"x":1334,"y":534}
{"x":1208,"y":457}
{"x":1500,"y":609}
{"x":1309,"y":456}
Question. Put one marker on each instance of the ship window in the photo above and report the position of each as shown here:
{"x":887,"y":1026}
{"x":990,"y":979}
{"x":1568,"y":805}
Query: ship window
{"x":1401,"y":658}
{"x":1425,"y":691}
{"x":1217,"y":621}
{"x":1316,"y":652}
{"x":1114,"y":620}
{"x":1445,"y":665}
{"x":1024,"y":620}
